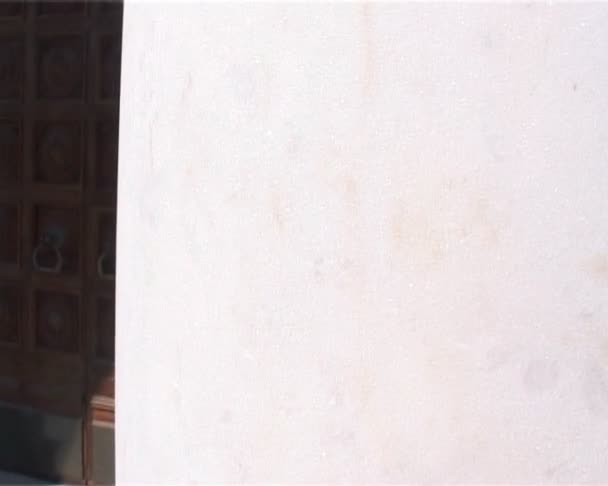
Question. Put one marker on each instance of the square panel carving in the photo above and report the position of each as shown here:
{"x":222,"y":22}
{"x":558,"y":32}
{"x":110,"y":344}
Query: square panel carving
{"x":10,"y":313}
{"x":11,"y":9}
{"x":57,"y":321}
{"x":11,"y":69}
{"x":106,"y":155}
{"x":53,"y":7}
{"x":57,"y":240}
{"x":60,"y":67}
{"x":59,"y":154}
{"x":11,"y":152}
{"x":104,"y":331}
{"x":109,"y":66}
{"x":9,"y":234}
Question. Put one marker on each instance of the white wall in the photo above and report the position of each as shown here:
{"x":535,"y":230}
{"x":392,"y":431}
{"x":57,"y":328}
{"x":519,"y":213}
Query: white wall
{"x":363,"y":243}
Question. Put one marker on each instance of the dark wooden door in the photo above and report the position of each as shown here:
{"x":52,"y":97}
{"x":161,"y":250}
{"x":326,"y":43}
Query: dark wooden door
{"x":59,"y":91}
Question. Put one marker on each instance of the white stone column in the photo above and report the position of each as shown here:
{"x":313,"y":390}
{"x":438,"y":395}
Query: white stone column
{"x":363,"y":243}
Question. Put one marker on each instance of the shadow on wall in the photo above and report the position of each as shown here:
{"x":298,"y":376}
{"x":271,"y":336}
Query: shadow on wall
{"x":13,"y":479}
{"x":39,"y":445}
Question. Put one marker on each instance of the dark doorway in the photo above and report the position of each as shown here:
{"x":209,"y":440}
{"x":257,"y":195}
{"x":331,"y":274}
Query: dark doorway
{"x":59,"y":111}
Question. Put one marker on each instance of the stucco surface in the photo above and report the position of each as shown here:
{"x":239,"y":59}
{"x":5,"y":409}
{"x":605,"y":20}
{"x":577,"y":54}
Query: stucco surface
{"x":363,"y":243}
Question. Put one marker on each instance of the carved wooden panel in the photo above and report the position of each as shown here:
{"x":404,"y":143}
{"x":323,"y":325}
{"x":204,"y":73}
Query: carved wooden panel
{"x":59,"y":152}
{"x":104,"y":329}
{"x":50,"y":7}
{"x":9,"y":234}
{"x":59,"y":112}
{"x":61,"y":70}
{"x":106,"y":245}
{"x":11,"y":313}
{"x":57,"y":237}
{"x":101,"y":385}
{"x":11,"y":68}
{"x":57,"y":321}
{"x":11,"y":9}
{"x":109,"y":68}
{"x":11,"y":152}
{"x":106,"y":154}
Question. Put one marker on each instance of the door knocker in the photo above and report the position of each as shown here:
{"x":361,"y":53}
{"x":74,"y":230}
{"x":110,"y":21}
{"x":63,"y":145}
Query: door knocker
{"x":47,"y":244}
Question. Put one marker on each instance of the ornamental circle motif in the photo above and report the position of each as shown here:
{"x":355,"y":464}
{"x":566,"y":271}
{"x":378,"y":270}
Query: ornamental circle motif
{"x":56,"y":323}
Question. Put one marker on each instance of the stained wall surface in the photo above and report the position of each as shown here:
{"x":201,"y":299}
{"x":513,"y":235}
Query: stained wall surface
{"x":363,"y":243}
